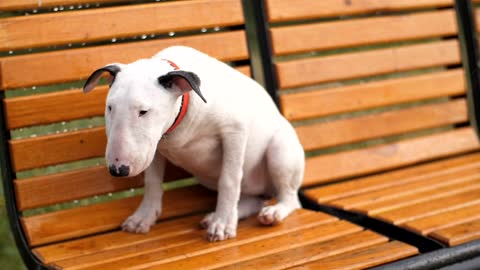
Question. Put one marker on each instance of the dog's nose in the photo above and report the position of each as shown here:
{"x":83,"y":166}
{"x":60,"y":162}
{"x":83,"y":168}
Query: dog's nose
{"x":123,"y":170}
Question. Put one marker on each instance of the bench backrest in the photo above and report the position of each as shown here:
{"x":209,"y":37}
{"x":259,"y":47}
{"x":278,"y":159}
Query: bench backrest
{"x":57,"y":133}
{"x":370,"y":85}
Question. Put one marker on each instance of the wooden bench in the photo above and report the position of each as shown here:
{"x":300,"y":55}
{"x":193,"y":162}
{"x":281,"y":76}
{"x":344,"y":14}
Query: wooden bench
{"x":65,"y":209}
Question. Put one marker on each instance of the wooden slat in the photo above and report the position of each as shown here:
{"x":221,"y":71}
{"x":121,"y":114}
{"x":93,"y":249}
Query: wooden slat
{"x":306,"y":254}
{"x":422,"y":196}
{"x":358,"y":32}
{"x":195,"y":245}
{"x":246,"y":70}
{"x":283,"y":10}
{"x":86,"y":249}
{"x":56,"y":188}
{"x":223,"y":257}
{"x":433,"y":207}
{"x":35,"y":4}
{"x":367,"y":63}
{"x":51,"y":67}
{"x":53,"y":149}
{"x":116,"y":22}
{"x":101,"y":217}
{"x":353,"y":130}
{"x":156,"y":248}
{"x":445,"y":182}
{"x":364,"y":258}
{"x":63,"y":187}
{"x":459,"y":234}
{"x":300,"y":106}
{"x":54,"y":107}
{"x":444,"y":220}
{"x":60,"y":106}
{"x":394,"y":178}
{"x":477,"y":15}
{"x":363,"y":161}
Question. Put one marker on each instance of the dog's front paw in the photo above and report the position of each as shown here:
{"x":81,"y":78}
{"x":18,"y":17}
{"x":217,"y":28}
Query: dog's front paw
{"x":141,"y":220}
{"x":219,"y":228}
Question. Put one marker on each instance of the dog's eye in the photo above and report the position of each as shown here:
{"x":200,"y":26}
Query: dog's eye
{"x":109,"y":108}
{"x":142,"y":113}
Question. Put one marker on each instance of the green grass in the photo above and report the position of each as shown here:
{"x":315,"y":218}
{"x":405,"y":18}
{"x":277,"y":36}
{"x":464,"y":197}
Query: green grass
{"x":9,"y":256}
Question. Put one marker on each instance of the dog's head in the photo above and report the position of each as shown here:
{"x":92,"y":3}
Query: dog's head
{"x":142,"y":103}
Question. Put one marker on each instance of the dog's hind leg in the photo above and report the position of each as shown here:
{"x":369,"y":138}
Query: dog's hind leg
{"x":247,"y":206}
{"x":286,"y":165}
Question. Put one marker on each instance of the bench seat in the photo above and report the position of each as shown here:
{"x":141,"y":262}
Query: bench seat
{"x":440,"y":200}
{"x":306,"y":237}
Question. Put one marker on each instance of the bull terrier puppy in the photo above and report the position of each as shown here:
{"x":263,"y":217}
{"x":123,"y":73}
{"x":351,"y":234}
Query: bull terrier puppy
{"x":227,"y":132}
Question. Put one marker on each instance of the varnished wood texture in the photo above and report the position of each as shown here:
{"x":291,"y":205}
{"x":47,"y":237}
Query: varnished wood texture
{"x":326,"y":168}
{"x":358,"y":32}
{"x":305,"y":236}
{"x":344,"y":99}
{"x":116,"y":22}
{"x":310,"y":71}
{"x":363,"y":258}
{"x":35,"y":4}
{"x":438,"y":200}
{"x":283,"y":10}
{"x":50,"y":67}
{"x":57,"y":188}
{"x":102,"y":217}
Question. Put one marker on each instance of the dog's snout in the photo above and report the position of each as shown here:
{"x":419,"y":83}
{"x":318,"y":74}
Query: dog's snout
{"x":123,"y":170}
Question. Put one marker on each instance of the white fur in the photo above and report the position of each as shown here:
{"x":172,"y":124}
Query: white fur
{"x":237,"y":143}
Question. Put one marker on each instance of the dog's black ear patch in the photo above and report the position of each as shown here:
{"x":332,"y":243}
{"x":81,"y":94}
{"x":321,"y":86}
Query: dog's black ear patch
{"x":94,"y":78}
{"x":184,"y":80}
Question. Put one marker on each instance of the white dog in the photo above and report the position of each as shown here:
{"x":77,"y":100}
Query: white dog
{"x":229,"y":135}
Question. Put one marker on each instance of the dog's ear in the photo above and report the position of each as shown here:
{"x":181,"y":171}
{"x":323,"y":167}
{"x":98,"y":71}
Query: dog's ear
{"x":183,"y":80}
{"x":93,"y":80}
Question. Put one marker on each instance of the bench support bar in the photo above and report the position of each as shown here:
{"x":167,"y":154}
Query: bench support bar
{"x":7,"y":177}
{"x":470,"y":57}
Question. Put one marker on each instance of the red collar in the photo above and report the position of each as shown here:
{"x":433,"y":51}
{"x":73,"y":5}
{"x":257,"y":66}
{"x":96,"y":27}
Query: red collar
{"x":183,"y":107}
